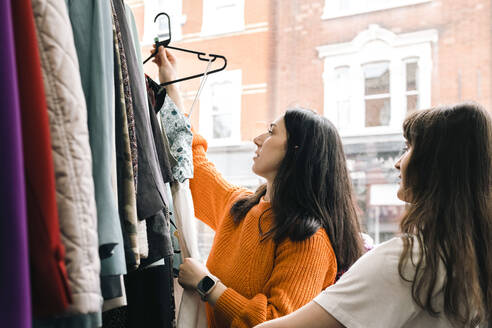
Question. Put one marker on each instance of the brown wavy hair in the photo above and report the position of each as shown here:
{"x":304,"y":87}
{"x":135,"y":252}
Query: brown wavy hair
{"x":312,"y":189}
{"x":450,"y":178}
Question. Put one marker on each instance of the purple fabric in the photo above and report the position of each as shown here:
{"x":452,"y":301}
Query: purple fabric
{"x":15,"y":300}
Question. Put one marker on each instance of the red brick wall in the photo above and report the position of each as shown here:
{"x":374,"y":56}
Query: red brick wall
{"x":285,"y":57}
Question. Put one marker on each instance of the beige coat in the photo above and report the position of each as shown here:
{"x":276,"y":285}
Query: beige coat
{"x":71,"y":153}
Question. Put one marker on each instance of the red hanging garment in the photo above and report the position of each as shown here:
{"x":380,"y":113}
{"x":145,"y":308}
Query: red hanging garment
{"x":49,"y":281}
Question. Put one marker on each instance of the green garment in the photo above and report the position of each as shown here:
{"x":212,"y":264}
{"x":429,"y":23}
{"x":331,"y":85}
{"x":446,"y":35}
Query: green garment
{"x":93,"y":35}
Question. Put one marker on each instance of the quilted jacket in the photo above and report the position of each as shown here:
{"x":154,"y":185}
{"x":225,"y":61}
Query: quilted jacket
{"x":71,"y":153}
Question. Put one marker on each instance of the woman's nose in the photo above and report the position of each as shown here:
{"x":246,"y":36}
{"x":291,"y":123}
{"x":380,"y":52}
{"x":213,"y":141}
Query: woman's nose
{"x":397,"y":164}
{"x":258,"y":140}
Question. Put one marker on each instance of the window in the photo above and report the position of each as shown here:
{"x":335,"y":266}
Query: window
{"x":339,"y":8}
{"x":222,"y":16}
{"x":377,"y":94}
{"x":372,"y":82}
{"x":160,"y":29}
{"x":385,"y":210}
{"x":220,"y":108}
{"x":411,"y":86}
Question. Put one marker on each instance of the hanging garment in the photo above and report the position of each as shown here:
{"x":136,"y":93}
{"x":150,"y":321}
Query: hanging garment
{"x":151,"y":197}
{"x":93,"y":35}
{"x":92,"y":320}
{"x":150,"y":296}
{"x":156,"y":95}
{"x":127,"y":202}
{"x":177,"y":256}
{"x":46,"y":251}
{"x":71,"y":153}
{"x":154,"y":100}
{"x":15,"y":299}
{"x":192,"y":312}
{"x":115,"y":318}
{"x":178,"y":131}
{"x":150,"y":188}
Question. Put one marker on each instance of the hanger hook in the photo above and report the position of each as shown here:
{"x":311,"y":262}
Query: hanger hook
{"x":161,"y":13}
{"x":168,"y":22}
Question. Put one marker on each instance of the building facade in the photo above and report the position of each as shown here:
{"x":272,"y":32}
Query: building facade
{"x":363,"y":64}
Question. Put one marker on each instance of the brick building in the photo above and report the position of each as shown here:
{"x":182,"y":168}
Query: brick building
{"x":363,"y":64}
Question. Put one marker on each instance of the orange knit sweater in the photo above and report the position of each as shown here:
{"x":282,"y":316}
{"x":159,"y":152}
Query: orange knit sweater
{"x":264,"y":280}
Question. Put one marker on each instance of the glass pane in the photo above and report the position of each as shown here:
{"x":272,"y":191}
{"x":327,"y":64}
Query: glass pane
{"x":221,"y":96}
{"x":412,"y":103}
{"x":412,"y":73}
{"x":377,"y":78}
{"x":378,"y":112}
{"x":222,"y":126}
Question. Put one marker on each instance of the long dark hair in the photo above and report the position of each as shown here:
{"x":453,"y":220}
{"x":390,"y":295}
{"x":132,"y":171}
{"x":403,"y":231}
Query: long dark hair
{"x":449,"y":177}
{"x":312,"y":188}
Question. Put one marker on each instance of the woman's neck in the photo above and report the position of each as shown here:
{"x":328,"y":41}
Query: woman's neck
{"x":268,"y":192}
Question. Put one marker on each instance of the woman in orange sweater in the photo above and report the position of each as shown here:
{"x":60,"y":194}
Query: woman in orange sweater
{"x":275,"y":249}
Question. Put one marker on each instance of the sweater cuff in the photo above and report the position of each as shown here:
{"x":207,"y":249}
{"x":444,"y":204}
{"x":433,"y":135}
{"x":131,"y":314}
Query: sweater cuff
{"x":230,"y":303}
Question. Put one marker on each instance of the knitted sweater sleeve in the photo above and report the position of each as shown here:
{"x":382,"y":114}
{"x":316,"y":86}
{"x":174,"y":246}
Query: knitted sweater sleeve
{"x":212,"y":194}
{"x":301,"y":271}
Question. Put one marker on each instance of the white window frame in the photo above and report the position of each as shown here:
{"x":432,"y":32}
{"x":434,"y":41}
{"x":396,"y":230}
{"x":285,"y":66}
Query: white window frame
{"x":331,"y":9}
{"x":213,"y":24}
{"x":418,"y":88}
{"x":206,"y":115}
{"x":374,"y":45}
{"x":151,"y":9}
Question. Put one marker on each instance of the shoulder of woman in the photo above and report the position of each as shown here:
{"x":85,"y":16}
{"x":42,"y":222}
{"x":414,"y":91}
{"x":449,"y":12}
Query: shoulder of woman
{"x":318,"y":242}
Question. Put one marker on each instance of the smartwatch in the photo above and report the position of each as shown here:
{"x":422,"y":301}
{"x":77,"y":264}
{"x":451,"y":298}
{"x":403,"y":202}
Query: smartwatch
{"x":205,"y":286}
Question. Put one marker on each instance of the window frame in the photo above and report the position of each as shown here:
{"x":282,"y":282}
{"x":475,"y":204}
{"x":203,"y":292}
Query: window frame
{"x":377,"y":44}
{"x":206,"y":115}
{"x":404,"y":80}
{"x":330,"y":10}
{"x":213,"y":25}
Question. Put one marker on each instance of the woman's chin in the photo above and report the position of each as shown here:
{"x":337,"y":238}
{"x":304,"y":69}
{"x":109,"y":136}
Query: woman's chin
{"x":401,"y":194}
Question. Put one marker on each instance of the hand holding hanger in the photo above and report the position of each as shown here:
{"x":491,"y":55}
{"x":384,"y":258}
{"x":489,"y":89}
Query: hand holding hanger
{"x":200,"y":55}
{"x":167,"y":64}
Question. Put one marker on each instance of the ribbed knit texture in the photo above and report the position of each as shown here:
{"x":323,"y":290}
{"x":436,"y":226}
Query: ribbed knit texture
{"x":264,"y":280}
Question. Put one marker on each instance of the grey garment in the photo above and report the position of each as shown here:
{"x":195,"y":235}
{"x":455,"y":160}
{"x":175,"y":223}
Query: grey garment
{"x":91,"y":320}
{"x":150,"y":189}
{"x":173,"y":229}
{"x":171,"y":158}
{"x":159,"y":238}
{"x":136,"y":42}
{"x":93,"y":35}
{"x":158,"y":137}
{"x":178,"y":131}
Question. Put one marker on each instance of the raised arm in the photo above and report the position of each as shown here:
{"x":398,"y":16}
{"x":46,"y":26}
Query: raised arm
{"x":212,"y":194}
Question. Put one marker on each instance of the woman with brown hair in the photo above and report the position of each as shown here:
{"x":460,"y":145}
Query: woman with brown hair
{"x":439,"y":272}
{"x":277,"y":248}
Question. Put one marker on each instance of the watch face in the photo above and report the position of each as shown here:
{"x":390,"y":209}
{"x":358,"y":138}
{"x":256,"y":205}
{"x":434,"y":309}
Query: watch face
{"x":206,"y":283}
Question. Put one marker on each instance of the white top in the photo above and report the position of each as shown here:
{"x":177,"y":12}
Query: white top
{"x":372,"y":294}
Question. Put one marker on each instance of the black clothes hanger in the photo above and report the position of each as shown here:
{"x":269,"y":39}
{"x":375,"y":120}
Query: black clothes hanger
{"x":201,"y":55}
